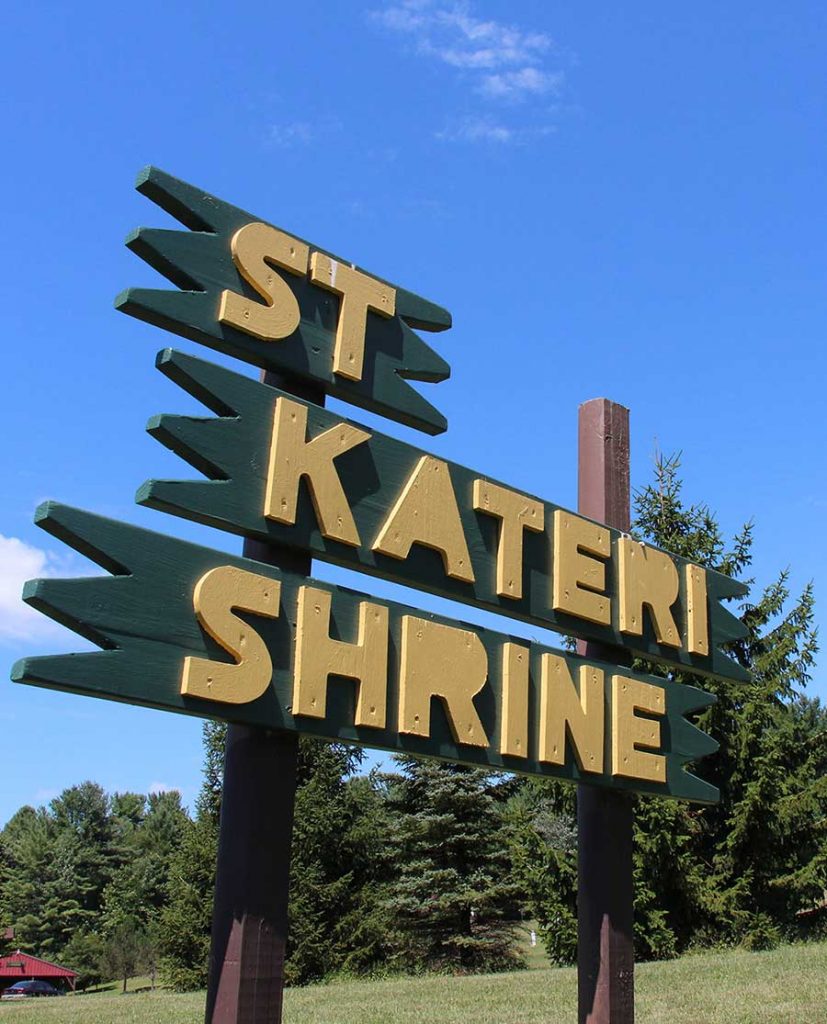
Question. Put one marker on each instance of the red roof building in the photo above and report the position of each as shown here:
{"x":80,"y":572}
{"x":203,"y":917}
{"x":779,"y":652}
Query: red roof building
{"x":24,"y":967}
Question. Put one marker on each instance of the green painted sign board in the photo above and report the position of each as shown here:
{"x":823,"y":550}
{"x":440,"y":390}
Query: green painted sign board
{"x":144,"y":619}
{"x":232,"y":450}
{"x":293,"y":474}
{"x":200,"y":262}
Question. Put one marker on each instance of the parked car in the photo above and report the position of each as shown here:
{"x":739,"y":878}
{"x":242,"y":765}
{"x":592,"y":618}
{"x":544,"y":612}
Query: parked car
{"x":26,"y":989}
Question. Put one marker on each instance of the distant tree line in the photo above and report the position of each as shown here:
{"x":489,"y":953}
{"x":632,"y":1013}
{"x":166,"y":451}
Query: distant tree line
{"x":85,"y":880}
{"x":433,"y":866}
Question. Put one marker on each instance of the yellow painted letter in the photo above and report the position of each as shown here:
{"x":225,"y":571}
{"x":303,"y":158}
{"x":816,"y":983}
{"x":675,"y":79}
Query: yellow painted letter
{"x":426,"y":513}
{"x":318,"y":656}
{"x":647,"y":577}
{"x":254,"y":247}
{"x":697,"y":616}
{"x":292,"y":457}
{"x":563,"y":709}
{"x":630,"y":732}
{"x":514,"y":714}
{"x":216,"y":594}
{"x":359,"y":292}
{"x":579,"y":575}
{"x":516,"y":513}
{"x":441,"y":661}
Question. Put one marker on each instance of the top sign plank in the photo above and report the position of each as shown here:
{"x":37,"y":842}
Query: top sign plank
{"x":251,"y":290}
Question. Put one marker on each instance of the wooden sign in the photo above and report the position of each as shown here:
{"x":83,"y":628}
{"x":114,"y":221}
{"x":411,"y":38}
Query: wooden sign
{"x":254,"y":291}
{"x":189,"y":629}
{"x":289,"y":472}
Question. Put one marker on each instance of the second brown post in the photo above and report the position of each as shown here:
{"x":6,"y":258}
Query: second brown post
{"x":605,"y":891}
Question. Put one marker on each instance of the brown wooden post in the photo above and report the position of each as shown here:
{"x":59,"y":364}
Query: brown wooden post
{"x":249,"y":928}
{"x":605,"y":892}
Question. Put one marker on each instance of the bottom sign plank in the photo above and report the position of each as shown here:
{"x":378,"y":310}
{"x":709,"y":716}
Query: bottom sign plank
{"x":188,"y":629}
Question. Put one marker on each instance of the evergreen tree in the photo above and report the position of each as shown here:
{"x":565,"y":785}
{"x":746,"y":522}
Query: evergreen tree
{"x":85,"y":953}
{"x":126,"y":951}
{"x":739,"y":871}
{"x":338,"y":861}
{"x":184,"y":928}
{"x":31,"y":884}
{"x":453,"y":900}
{"x":128,"y":811}
{"x":803,"y":857}
{"x":542,"y":814}
{"x":86,"y":832}
{"x":139,"y":889}
{"x":55,"y":864}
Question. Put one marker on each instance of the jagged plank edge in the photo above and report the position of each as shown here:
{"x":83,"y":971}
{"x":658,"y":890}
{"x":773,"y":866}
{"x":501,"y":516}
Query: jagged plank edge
{"x":188,"y":259}
{"x":199,"y":211}
{"x":129,"y":665}
{"x":688,"y":742}
{"x":191,"y":315}
{"x":193,"y":260}
{"x":726,"y":624}
{"x":199,"y":441}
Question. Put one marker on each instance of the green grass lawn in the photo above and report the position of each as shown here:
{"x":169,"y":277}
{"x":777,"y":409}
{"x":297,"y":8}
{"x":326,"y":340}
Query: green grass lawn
{"x":784,"y":986}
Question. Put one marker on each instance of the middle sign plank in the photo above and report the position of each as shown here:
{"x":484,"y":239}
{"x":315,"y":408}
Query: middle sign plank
{"x":289,"y":472}
{"x":193,"y":630}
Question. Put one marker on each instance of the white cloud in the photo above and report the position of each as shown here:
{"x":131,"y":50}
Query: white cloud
{"x":477,"y":129}
{"x":514,"y":85}
{"x":474,"y":43}
{"x":296,"y":133}
{"x":501,"y":62}
{"x":293,"y":134}
{"x":402,"y":19}
{"x":452,"y":34}
{"x":19,"y":562}
{"x":481,"y":129}
{"x":162,"y":787}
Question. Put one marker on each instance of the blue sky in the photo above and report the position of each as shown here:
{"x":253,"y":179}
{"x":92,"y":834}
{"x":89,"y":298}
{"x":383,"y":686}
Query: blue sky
{"x":613,"y":200}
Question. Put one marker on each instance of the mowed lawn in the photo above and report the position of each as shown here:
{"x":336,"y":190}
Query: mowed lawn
{"x":784,"y":986}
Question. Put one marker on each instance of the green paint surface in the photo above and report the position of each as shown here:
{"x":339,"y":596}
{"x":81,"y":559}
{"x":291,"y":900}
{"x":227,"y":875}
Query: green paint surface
{"x":232,"y":450}
{"x":142,"y":616}
{"x":199,"y":262}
